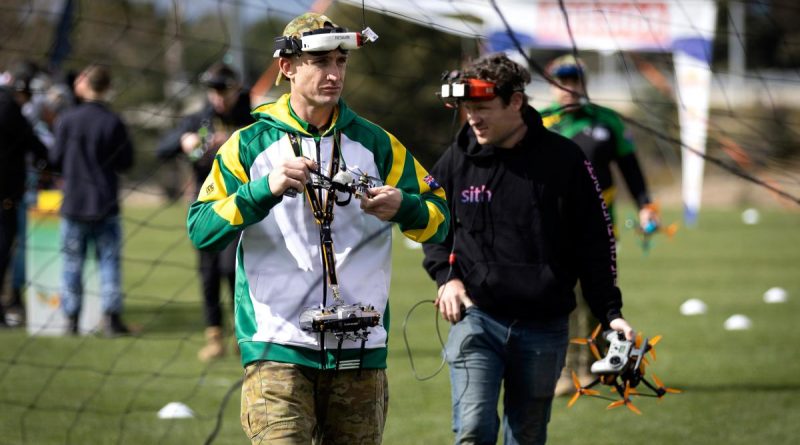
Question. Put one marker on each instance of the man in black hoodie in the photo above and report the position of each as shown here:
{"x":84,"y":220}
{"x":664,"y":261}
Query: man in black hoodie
{"x":198,"y":137}
{"x":528,"y":222}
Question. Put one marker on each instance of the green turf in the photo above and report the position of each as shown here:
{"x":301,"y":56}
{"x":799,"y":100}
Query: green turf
{"x":740,"y":387}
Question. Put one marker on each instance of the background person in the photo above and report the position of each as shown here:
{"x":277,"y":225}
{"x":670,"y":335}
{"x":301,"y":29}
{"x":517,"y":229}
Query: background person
{"x":299,"y":385}
{"x":17,"y":142}
{"x":601,"y":134}
{"x":199,"y":137}
{"x":528,"y":223}
{"x":40,"y":101}
{"x":91,"y":149}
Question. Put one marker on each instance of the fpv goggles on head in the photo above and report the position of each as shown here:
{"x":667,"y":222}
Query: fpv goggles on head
{"x":457,"y":88}
{"x":322,"y":40}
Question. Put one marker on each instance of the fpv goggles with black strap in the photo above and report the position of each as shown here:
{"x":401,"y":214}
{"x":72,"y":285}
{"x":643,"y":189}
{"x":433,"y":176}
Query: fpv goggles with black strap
{"x":322,"y":40}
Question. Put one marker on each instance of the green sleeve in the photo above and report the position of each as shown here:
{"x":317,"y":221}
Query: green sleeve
{"x":423,"y":215}
{"x":228,"y":200}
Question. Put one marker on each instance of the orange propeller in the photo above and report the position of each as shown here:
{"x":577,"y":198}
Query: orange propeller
{"x":652,"y":343}
{"x":626,"y":400}
{"x":671,"y":229}
{"x":590,"y":341}
{"x":580,"y":391}
{"x":660,"y":385}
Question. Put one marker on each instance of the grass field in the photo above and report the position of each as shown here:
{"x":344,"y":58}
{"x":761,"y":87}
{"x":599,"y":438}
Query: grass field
{"x":739,"y":387}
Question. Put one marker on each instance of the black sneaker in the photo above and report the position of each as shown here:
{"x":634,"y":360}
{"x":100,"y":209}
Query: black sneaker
{"x":72,"y":325}
{"x":113,"y":326}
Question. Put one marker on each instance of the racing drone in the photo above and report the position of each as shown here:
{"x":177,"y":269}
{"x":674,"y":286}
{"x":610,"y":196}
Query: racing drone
{"x":622,"y":368}
{"x":651,"y":228}
{"x":346,"y":181}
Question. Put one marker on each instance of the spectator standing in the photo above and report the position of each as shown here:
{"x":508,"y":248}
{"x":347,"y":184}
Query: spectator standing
{"x":40,"y":102}
{"x":92,"y":147}
{"x":198,"y":138}
{"x":17,"y":141}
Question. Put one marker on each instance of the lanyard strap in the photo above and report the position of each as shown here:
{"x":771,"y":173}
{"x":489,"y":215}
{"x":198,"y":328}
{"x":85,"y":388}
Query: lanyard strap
{"x":323,"y":215}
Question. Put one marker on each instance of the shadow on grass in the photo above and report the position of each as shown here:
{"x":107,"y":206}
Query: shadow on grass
{"x":170,"y":318}
{"x":743,"y":386}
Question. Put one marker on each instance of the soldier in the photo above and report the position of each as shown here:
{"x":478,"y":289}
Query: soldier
{"x":304,"y":384}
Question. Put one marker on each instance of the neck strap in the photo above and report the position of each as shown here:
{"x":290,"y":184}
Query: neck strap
{"x":322,"y":208}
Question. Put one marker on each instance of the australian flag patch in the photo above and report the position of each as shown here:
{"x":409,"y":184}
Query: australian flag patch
{"x":431,"y":181}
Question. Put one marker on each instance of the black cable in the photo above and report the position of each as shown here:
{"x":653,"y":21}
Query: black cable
{"x":581,"y":74}
{"x":408,"y":346}
{"x":363,"y":16}
{"x":221,"y":411}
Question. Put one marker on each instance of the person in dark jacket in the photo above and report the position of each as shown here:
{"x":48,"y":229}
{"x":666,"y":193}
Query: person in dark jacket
{"x":528,"y":222}
{"x":17,"y":141}
{"x":198,"y":137}
{"x":91,"y":149}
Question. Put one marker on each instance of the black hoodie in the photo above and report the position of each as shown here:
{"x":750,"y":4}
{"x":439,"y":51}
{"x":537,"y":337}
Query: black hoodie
{"x":527,"y":223}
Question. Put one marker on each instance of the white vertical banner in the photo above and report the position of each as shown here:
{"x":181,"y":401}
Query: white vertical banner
{"x":693,"y":80}
{"x":691,"y":46}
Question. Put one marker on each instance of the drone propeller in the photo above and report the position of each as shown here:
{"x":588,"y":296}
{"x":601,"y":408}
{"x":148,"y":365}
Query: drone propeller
{"x":671,"y":229}
{"x":626,"y":399}
{"x":652,"y":345}
{"x":591,"y":341}
{"x":661,"y":387}
{"x":580,"y":391}
{"x":363,"y":176}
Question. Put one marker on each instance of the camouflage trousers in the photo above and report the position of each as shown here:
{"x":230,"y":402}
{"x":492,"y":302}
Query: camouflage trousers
{"x":283,"y":403}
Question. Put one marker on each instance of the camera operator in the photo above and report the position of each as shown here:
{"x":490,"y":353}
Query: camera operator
{"x":199,"y":137}
{"x":302,"y":385}
{"x":528,"y":222}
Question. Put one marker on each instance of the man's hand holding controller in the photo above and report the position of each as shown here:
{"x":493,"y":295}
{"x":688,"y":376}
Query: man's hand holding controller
{"x":620,"y":343}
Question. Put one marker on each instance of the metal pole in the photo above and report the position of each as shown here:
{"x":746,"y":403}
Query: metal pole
{"x":235,"y":55}
{"x":736,"y":46}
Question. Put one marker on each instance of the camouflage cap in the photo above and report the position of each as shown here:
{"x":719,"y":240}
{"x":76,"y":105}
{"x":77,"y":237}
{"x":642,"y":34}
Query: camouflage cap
{"x":310,"y":21}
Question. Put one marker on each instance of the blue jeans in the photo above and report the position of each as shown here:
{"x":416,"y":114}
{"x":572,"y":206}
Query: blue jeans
{"x":106,"y":236}
{"x":527,"y":356}
{"x":18,"y":274}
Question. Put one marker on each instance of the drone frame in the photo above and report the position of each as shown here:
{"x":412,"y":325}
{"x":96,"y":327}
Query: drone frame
{"x":625,"y":381}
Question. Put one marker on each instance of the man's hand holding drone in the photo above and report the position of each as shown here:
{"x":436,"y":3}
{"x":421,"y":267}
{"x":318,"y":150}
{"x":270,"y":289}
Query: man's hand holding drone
{"x":621,"y":325}
{"x":382,"y":202}
{"x":291,"y":173}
